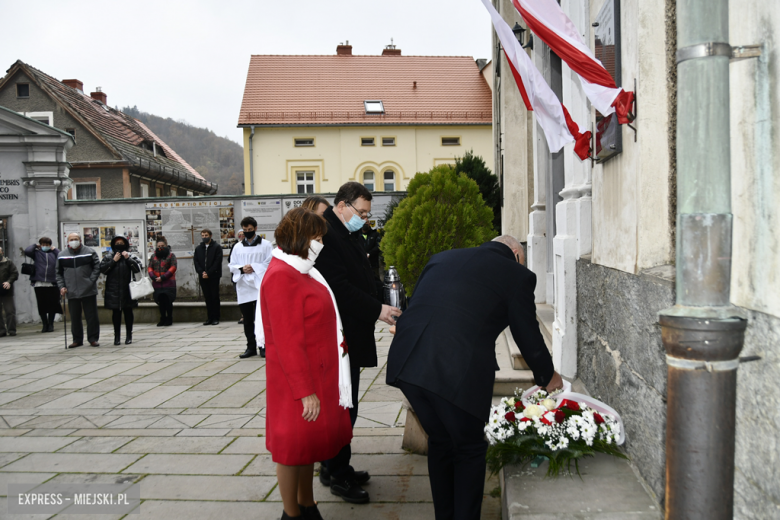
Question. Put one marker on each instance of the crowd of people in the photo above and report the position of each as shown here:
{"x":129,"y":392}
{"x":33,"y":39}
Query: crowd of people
{"x":309,"y":305}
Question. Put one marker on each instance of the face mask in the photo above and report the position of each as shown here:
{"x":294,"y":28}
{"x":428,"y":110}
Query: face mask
{"x":314,"y":250}
{"x":162,"y":252}
{"x":74,"y":244}
{"x":249,"y":235}
{"x":206,"y":240}
{"x":46,"y":248}
{"x":120,"y":247}
{"x":354,"y":223}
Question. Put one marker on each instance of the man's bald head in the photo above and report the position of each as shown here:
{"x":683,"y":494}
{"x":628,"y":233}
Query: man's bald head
{"x":512,"y":243}
{"x":74,"y":236}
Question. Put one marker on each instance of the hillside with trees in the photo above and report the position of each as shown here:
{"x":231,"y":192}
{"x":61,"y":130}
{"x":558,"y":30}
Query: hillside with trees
{"x":218,"y":159}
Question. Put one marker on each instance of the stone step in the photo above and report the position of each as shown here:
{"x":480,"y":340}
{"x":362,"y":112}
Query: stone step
{"x":507,"y":377}
{"x":545,"y":315}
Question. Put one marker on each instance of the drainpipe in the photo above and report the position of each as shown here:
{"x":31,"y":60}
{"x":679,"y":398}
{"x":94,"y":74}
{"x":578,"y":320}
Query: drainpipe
{"x":703,"y":333}
{"x":251,"y":163}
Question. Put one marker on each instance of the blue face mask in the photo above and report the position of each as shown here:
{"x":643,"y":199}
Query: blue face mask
{"x":354,"y":223}
{"x":46,"y":248}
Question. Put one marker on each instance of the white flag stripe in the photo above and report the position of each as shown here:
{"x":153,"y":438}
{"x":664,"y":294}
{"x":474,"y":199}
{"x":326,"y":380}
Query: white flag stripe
{"x":550,"y":14}
{"x":548,"y":109}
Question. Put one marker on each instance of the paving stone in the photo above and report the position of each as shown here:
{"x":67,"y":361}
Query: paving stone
{"x":96,"y":445}
{"x":189,"y":399}
{"x":154,"y":397}
{"x":12,"y":433}
{"x":112,"y":383}
{"x":178,"y":421}
{"x":250,"y":445}
{"x":20,"y":400}
{"x":79,"y":383}
{"x":261,"y":465}
{"x":218,"y":382}
{"x":176,"y":445}
{"x":257,"y":421}
{"x":113,"y":370}
{"x":204,"y":510}
{"x":73,"y":462}
{"x":49,"y":432}
{"x":381,"y":489}
{"x":388,"y":444}
{"x":169,"y":372}
{"x":179,"y":487}
{"x":21,"y":478}
{"x":189,"y":464}
{"x":204,"y":432}
{"x":133,"y":421}
{"x":34,"y":444}
{"x":225,"y":421}
{"x":7,"y":458}
{"x":72,"y":400}
{"x":209,"y":369}
{"x":236,"y":396}
{"x":407,"y":464}
{"x":126,"y":432}
{"x":184,"y":381}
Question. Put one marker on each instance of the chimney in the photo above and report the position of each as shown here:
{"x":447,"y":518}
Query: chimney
{"x":74,"y":83}
{"x":391,"y":52}
{"x":344,"y":50}
{"x":99,"y":95}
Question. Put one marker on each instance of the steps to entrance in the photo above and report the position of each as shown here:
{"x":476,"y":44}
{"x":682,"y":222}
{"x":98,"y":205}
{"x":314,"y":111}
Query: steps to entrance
{"x":507,"y":377}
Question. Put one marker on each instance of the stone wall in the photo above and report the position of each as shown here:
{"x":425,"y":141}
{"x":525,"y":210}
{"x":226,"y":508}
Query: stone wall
{"x":756,"y":489}
{"x":621,"y":358}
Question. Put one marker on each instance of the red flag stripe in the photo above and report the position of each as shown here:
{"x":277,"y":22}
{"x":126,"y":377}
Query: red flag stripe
{"x":520,"y":85}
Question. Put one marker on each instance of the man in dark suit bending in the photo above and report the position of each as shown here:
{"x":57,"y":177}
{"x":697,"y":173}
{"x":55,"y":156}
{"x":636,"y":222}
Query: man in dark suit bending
{"x":443,"y":358}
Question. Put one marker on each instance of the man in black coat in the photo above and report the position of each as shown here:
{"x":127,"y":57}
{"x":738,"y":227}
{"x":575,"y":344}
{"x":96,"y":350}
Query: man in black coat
{"x":344,"y":264}
{"x":443,"y":358}
{"x":208,"y":265}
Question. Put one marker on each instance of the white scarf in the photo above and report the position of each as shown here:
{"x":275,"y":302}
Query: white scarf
{"x":307,"y":267}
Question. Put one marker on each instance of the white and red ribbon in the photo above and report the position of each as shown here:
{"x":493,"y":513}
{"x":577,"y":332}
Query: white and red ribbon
{"x":559,"y":128}
{"x":548,"y":22}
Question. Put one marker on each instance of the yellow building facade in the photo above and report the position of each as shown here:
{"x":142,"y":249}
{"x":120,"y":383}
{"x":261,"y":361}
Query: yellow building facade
{"x":319,"y":159}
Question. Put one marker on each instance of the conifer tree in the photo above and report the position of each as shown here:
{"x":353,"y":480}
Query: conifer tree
{"x":443,"y":210}
{"x":474,"y":166}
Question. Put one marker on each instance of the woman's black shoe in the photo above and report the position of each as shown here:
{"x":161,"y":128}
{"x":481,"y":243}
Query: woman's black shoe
{"x":117,"y":340}
{"x":310,"y":512}
{"x":129,"y":338}
{"x":162,"y":323}
{"x":285,"y":515}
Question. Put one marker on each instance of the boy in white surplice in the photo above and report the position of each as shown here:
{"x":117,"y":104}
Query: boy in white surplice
{"x":248,"y":262}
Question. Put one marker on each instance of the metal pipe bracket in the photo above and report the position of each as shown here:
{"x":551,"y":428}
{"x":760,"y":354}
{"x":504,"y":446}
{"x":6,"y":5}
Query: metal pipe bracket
{"x":709,"y":49}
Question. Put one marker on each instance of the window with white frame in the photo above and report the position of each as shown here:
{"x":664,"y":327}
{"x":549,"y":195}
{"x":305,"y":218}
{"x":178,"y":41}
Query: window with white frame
{"x":374,"y":106}
{"x":47,"y":118}
{"x":86,"y":191}
{"x":389,"y":180}
{"x":304,"y":141}
{"x":144,"y":190}
{"x":366,"y":141}
{"x":368,"y":180}
{"x":305,"y":182}
{"x":450,"y":141}
{"x":388,"y":141}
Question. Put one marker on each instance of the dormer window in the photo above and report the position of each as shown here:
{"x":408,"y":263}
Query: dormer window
{"x":374,"y":107}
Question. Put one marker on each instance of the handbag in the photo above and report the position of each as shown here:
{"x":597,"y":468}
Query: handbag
{"x":140,"y":288}
{"x":28,"y":268}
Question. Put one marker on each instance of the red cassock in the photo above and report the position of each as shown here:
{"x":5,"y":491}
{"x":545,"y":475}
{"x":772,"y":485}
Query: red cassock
{"x":301,"y":359}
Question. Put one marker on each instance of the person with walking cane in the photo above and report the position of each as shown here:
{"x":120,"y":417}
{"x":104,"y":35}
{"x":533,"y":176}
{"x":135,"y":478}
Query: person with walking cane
{"x":78,"y":268}
{"x":119,"y":269}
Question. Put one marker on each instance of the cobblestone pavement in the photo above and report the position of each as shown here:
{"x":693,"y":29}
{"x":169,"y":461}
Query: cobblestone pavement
{"x":178,"y":412}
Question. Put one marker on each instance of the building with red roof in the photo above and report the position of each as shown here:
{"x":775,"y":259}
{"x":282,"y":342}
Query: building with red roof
{"x":115,"y":156}
{"x":312,"y":123}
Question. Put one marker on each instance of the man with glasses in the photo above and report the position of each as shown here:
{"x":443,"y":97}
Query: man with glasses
{"x":344,"y":264}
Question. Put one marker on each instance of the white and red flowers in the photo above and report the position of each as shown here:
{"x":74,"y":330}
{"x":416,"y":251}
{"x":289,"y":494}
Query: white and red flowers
{"x":563,"y":426}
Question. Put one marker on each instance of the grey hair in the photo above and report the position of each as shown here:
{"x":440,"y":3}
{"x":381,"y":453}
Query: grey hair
{"x":509,"y":241}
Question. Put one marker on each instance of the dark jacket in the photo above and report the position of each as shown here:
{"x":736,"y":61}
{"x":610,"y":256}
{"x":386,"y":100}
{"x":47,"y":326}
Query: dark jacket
{"x":78,"y":271}
{"x":345,"y":267}
{"x":445,"y":341}
{"x":371,"y":246}
{"x":118,"y":277}
{"x":45,"y":264}
{"x":208,"y":259}
{"x":8,"y":273}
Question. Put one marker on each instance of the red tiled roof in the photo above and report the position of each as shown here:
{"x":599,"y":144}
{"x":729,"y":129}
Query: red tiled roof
{"x":330,"y":90}
{"x":110,"y":125}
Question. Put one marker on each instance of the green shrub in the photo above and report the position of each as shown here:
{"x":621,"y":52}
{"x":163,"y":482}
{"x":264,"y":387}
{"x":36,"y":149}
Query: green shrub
{"x":474,"y":166}
{"x":443,"y":210}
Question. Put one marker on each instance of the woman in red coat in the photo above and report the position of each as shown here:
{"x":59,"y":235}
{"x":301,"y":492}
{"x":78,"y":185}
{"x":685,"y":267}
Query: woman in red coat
{"x":307,"y":419}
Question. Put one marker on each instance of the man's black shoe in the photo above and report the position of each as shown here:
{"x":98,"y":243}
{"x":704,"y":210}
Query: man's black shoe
{"x":361,"y":477}
{"x":262,"y":352}
{"x":208,"y":322}
{"x":349,"y":491}
{"x":215,"y":322}
{"x":324,"y":476}
{"x":248,"y":353}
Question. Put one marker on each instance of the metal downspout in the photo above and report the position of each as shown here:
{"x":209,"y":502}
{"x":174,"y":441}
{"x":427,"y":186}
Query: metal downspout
{"x":703,"y":333}
{"x":251,"y":163}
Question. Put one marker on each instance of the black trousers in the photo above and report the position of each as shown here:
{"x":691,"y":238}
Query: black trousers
{"x":89,"y":306}
{"x":339,"y":466}
{"x":116,"y":318}
{"x":456,"y":454}
{"x":166,"y":307}
{"x":248,"y":312}
{"x":210,"y":287}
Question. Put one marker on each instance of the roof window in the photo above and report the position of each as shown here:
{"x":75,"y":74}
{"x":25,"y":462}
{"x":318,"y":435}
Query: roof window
{"x":22,"y":90}
{"x":374,"y":107}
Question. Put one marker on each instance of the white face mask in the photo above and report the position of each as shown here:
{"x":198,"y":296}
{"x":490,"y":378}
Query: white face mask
{"x":314,"y":250}
{"x":74,"y":244}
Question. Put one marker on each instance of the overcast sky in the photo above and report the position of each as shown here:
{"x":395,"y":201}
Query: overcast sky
{"x":188,"y":59}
